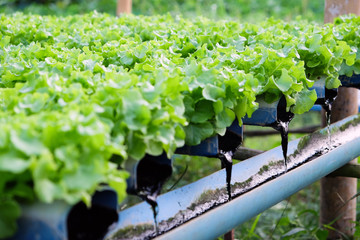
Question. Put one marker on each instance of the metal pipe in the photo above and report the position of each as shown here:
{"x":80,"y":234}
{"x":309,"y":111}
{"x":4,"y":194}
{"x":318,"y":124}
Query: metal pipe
{"x":49,"y":221}
{"x":265,"y":115}
{"x":229,"y":215}
{"x":319,"y":86}
{"x":353,"y":81}
{"x":251,"y":179}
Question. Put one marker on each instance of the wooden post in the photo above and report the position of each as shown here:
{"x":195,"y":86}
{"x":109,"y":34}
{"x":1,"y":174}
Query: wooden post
{"x":123,"y":6}
{"x":335,"y":191}
{"x":334,"y":8}
{"x":229,"y":235}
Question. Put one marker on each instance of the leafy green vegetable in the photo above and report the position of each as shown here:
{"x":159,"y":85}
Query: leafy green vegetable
{"x":9,"y":212}
{"x":304,"y":101}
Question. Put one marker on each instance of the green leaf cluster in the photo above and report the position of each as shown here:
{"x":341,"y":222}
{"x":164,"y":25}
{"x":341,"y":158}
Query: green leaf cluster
{"x":77,"y":99}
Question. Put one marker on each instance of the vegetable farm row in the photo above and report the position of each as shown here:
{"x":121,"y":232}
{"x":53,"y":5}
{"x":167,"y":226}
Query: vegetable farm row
{"x":80,"y":95}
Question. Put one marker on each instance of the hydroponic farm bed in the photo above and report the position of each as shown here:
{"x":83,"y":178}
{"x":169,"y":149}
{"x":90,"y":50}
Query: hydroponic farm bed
{"x":83,"y":95}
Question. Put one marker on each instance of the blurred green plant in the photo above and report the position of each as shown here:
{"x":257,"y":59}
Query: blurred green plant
{"x":243,"y":10}
{"x":58,"y":7}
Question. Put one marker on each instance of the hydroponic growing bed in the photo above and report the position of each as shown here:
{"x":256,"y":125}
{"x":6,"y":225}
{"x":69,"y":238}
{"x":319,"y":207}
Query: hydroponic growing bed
{"x":82,"y":96}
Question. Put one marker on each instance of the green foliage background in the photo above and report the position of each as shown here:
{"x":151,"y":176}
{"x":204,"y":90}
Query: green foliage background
{"x":244,"y":10}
